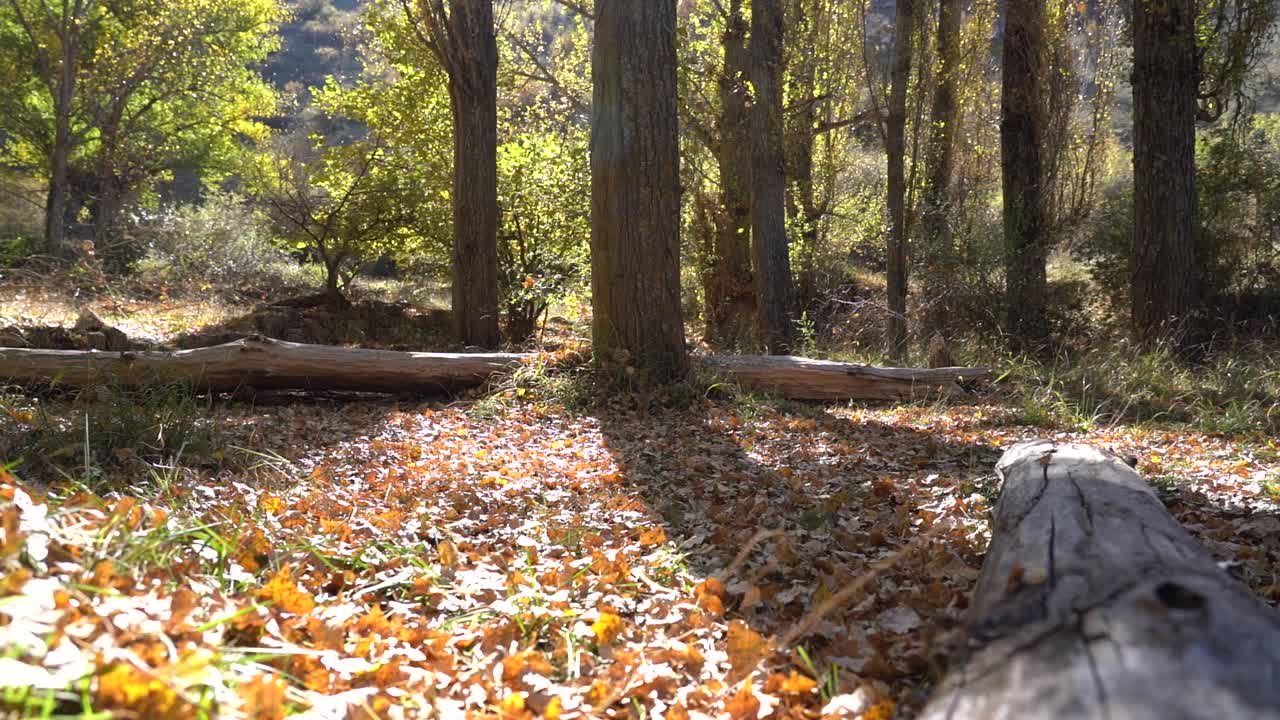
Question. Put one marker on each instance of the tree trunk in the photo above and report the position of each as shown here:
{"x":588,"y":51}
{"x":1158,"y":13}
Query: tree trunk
{"x":1166,"y":275}
{"x":731,"y":303}
{"x":895,"y":149}
{"x":800,"y":139}
{"x":635,"y":189}
{"x":775,"y":288}
{"x":940,"y":263}
{"x":261,"y":364}
{"x":55,"y":229}
{"x":1094,"y":603}
{"x":473,"y":96}
{"x":800,"y":378}
{"x":1021,"y":138}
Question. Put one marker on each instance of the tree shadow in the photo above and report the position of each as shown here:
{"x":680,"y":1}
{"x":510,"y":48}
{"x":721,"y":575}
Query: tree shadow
{"x":844,"y":490}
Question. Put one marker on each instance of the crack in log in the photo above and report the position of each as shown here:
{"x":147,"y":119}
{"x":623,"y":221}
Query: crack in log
{"x":1099,"y":688}
{"x":1084,"y":501}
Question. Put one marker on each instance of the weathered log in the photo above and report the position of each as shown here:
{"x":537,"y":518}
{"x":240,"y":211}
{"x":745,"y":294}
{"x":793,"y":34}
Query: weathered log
{"x":266,"y":364}
{"x":259,"y":363}
{"x":1094,"y":603}
{"x":804,"y":379}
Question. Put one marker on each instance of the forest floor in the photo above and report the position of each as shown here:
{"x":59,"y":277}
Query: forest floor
{"x":549,"y":547}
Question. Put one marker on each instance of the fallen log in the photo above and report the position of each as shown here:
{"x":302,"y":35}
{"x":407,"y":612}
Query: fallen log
{"x":261,"y":364}
{"x":800,"y":378}
{"x":266,"y":364}
{"x":1095,"y":603}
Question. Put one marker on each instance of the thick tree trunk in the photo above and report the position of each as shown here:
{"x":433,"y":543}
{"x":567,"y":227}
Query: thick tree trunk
{"x":800,"y":378}
{"x":1021,"y":140}
{"x":266,"y":364}
{"x":940,"y":263}
{"x":473,"y":95}
{"x":1166,"y":275}
{"x":635,"y":189}
{"x":261,"y":364}
{"x":775,"y":287}
{"x":1094,"y":603}
{"x":895,"y":149}
{"x":731,"y":302}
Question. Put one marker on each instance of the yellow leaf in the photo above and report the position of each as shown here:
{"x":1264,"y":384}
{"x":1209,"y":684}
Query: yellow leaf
{"x":598,"y":693}
{"x":607,"y":627}
{"x":512,"y":704}
{"x":448,"y":554}
{"x":821,"y":595}
{"x":554,"y":709}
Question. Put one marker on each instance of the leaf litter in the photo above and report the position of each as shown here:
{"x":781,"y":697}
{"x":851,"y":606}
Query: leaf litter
{"x":718,"y":560}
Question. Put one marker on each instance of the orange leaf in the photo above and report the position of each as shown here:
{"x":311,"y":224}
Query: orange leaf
{"x":653,"y":536}
{"x":744,"y":705}
{"x":286,"y":593}
{"x":746,"y":648}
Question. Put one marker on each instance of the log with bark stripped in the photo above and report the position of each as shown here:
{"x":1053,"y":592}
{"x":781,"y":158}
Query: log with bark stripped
{"x":804,"y":379}
{"x":259,"y":363}
{"x":266,"y":364}
{"x":1095,"y":603}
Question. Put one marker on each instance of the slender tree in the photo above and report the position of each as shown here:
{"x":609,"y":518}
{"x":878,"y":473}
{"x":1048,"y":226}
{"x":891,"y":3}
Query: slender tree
{"x":775,"y":287}
{"x":635,"y":189}
{"x":1022,"y":134}
{"x":1165,"y":291}
{"x":461,"y":35}
{"x":895,"y":149}
{"x":939,"y":254}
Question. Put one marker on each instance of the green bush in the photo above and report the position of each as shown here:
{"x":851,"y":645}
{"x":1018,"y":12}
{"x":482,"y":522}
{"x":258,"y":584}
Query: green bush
{"x":223,"y":240}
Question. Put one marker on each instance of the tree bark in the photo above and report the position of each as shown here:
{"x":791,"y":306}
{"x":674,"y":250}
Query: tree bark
{"x":1165,"y":291}
{"x":635,"y":189}
{"x":895,"y":149}
{"x":775,"y":288}
{"x":1021,"y":140}
{"x":258,"y":363}
{"x":940,"y":263}
{"x":731,"y":302}
{"x":800,"y":378}
{"x":55,"y":232}
{"x":1094,"y":603}
{"x":473,"y":96}
{"x":801,"y":137}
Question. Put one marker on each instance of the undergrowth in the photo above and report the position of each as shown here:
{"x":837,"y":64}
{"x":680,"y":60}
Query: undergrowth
{"x":1235,"y":392}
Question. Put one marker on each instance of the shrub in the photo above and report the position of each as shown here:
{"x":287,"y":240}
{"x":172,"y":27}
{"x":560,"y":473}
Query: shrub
{"x":223,"y":240}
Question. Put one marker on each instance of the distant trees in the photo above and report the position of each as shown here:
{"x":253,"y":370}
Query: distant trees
{"x":1021,"y":138}
{"x":464,"y":40}
{"x":118,"y":94}
{"x":1165,"y":292}
{"x":635,"y":189}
